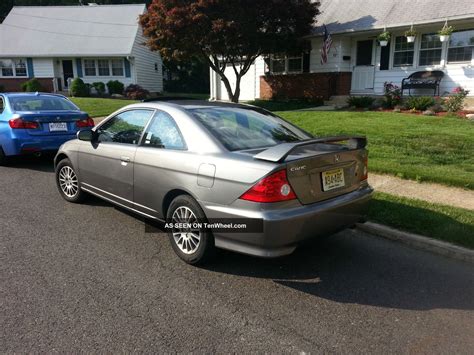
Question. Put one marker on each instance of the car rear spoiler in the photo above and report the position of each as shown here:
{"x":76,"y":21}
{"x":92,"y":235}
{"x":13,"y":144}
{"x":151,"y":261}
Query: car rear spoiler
{"x":281,"y":151}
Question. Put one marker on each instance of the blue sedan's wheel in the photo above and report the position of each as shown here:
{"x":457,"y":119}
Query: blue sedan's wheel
{"x":3,"y":158}
{"x":68,"y":183}
{"x":192,"y":244}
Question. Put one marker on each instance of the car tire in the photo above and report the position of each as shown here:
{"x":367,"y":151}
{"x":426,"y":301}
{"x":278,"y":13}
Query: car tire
{"x":3,"y":157}
{"x":194,"y":247}
{"x":68,"y":182}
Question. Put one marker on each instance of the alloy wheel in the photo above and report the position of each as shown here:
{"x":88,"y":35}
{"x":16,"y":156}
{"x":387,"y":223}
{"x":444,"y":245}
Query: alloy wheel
{"x":68,"y":181}
{"x":186,"y":238}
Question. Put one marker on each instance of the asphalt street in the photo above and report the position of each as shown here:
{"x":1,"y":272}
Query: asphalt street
{"x":88,"y":277}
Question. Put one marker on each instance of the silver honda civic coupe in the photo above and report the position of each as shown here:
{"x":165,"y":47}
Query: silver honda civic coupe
{"x":219,"y":175}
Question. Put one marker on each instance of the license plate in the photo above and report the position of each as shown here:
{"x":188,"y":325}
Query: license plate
{"x":333,"y":179}
{"x":57,"y":126}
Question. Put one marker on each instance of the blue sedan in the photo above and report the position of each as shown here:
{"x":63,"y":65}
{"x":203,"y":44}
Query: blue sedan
{"x":32,"y":123}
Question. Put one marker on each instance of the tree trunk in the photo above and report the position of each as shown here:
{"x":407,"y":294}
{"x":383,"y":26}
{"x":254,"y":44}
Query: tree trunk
{"x":233,"y":96}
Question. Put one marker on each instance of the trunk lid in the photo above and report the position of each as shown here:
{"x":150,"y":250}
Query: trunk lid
{"x":320,"y":169}
{"x":53,"y":122}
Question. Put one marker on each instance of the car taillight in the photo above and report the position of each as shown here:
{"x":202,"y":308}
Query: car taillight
{"x":19,"y":123}
{"x":365,"y":173}
{"x":273,"y":188}
{"x":88,"y":122}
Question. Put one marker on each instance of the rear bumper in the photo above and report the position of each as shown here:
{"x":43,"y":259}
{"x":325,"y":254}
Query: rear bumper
{"x":284,"y":228}
{"x":32,"y":144}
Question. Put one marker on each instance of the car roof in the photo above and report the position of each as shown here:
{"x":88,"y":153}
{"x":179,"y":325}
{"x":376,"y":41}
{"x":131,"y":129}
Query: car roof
{"x":189,"y":104}
{"x":30,"y":94}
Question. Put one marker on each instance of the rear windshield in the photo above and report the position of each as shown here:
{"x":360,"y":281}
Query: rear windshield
{"x":41,"y":103}
{"x":239,"y":129}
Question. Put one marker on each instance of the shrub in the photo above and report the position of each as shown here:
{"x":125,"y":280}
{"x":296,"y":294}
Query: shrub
{"x":32,"y":85}
{"x":455,"y":102}
{"x":136,"y":92}
{"x":392,"y":95}
{"x":115,"y":87}
{"x":360,"y":101}
{"x":99,"y":86}
{"x":78,"y":88}
{"x":419,"y":103}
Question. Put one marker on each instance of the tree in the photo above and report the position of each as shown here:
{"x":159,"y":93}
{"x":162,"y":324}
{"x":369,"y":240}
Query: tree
{"x":227,"y":33}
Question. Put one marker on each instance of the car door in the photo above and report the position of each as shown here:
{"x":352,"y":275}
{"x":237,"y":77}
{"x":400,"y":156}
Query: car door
{"x":106,"y":163}
{"x":160,"y":164}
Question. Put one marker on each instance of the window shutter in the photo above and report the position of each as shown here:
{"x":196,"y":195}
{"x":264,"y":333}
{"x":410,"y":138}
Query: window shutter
{"x":79,"y":67}
{"x":306,"y":61}
{"x":29,"y":64}
{"x":127,"y":68}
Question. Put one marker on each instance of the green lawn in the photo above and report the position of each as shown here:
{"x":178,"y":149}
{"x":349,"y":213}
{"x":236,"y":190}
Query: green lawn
{"x":437,"y":149}
{"x":98,"y":107}
{"x":453,"y":225}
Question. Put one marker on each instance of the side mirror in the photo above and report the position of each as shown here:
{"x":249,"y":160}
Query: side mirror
{"x":85,"y":135}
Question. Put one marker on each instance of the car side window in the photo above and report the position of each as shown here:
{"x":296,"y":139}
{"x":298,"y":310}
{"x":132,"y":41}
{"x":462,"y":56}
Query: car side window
{"x":2,"y":105}
{"x":126,"y":127}
{"x":163,"y":133}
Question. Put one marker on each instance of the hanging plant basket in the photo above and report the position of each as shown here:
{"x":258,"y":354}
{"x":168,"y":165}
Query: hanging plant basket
{"x":445,"y":32}
{"x":410,"y":35}
{"x":383,"y":38}
{"x":444,"y":38}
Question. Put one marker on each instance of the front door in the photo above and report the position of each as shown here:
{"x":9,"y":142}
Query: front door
{"x":364,"y":68}
{"x":68,"y":71}
{"x":106,"y":165}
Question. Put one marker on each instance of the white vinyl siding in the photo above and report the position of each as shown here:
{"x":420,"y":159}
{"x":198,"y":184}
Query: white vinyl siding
{"x":341,"y":47}
{"x":249,"y":85}
{"x":43,"y":67}
{"x":147,"y":65}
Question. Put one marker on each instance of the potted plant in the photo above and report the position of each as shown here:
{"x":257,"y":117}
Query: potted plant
{"x":445,"y":32}
{"x":410,"y":35}
{"x":383,"y":38}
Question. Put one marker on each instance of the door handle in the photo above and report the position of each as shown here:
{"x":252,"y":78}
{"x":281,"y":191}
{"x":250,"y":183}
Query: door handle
{"x":125,"y":159}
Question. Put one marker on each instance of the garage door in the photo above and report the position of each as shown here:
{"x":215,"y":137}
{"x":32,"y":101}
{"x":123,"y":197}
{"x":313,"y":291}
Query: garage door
{"x":247,"y":84}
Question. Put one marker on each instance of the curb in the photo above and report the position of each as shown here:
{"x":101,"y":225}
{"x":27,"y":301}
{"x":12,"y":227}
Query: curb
{"x":418,"y":241}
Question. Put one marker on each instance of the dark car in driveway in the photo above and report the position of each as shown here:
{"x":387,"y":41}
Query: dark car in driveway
{"x":186,"y":162}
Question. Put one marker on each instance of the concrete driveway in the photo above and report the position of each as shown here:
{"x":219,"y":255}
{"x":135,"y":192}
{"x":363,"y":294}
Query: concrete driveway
{"x":88,"y":277}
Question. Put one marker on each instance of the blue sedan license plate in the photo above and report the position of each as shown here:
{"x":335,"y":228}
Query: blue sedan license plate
{"x":333,"y":179}
{"x":58,"y":126}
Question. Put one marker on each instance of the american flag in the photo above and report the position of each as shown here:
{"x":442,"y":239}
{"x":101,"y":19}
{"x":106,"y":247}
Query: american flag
{"x":327,"y":43}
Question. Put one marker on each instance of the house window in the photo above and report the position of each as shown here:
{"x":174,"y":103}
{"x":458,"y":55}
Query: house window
{"x":89,"y":67}
{"x":117,"y":67}
{"x":295,"y":65}
{"x":430,"y":50}
{"x":280,"y":64}
{"x":6,"y":67}
{"x":461,"y":46}
{"x":103,"y":66}
{"x":403,"y":52}
{"x":20,"y":67}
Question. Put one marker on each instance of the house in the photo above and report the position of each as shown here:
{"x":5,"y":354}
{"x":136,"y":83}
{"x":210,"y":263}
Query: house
{"x":94,"y":43}
{"x":357,"y":64}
